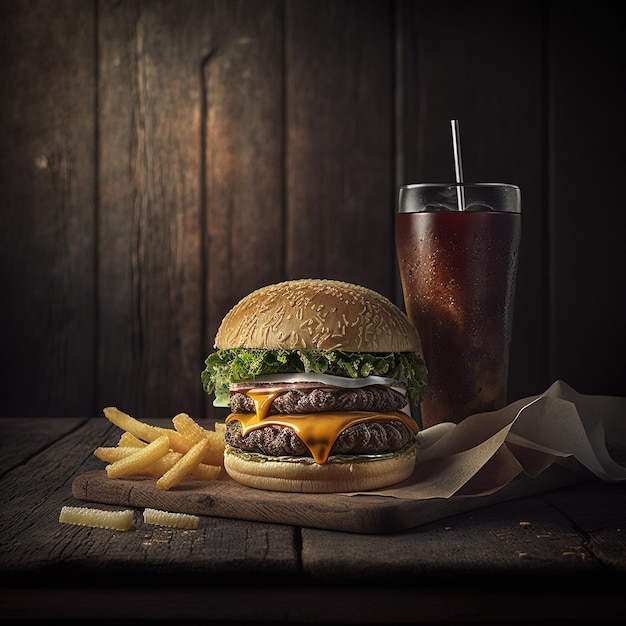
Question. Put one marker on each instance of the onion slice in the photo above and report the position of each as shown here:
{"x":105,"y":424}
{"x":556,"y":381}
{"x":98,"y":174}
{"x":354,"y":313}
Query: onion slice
{"x":324,"y":379}
{"x":278,"y":382}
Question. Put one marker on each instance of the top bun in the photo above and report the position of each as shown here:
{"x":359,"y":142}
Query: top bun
{"x":315,"y":314}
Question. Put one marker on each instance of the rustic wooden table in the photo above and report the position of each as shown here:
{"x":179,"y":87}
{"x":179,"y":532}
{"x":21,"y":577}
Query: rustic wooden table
{"x":554,"y":556}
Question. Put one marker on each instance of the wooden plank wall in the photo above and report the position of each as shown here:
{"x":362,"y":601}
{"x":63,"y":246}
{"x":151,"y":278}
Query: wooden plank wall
{"x":160,"y":159}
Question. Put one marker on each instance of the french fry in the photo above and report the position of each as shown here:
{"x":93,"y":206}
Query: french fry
{"x":185,"y":466}
{"x":141,"y":458}
{"x":143,"y":431}
{"x":192,"y":431}
{"x":166,"y":518}
{"x":207,"y":472}
{"x":160,"y":466}
{"x":215,"y":453}
{"x":220,"y":427}
{"x":111,"y":455}
{"x":146,"y":432}
{"x":154,"y":470}
{"x":129,"y":440}
{"x":165,"y":463}
{"x":188,"y":427}
{"x":96,"y":518}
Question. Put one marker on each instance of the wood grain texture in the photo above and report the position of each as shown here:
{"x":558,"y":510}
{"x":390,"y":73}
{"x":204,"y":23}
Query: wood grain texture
{"x":47,"y":231}
{"x":517,"y":537}
{"x":35,"y":490}
{"x":160,"y":160}
{"x":150,"y":266}
{"x":492,"y":563}
{"x":339,"y":194}
{"x":354,"y":514}
{"x":23,"y":437}
{"x":243,"y":135}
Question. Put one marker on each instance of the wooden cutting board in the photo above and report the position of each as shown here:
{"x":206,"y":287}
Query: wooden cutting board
{"x":356,"y":513}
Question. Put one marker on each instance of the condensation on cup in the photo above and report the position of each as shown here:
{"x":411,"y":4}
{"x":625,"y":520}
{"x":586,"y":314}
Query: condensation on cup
{"x":458,"y":247}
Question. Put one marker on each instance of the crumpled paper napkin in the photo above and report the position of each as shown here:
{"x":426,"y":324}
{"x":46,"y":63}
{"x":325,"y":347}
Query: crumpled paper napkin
{"x":486,"y":451}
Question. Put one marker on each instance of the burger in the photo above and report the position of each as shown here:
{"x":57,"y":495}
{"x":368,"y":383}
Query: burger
{"x":319,"y":376}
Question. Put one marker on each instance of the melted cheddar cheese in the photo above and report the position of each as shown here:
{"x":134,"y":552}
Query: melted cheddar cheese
{"x":318,"y":431}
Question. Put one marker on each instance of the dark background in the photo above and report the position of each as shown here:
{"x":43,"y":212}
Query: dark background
{"x":161,"y":159}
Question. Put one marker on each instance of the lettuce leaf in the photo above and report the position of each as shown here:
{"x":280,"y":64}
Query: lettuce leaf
{"x":239,"y":364}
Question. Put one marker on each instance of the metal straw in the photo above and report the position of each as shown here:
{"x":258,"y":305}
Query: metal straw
{"x":458,"y":163}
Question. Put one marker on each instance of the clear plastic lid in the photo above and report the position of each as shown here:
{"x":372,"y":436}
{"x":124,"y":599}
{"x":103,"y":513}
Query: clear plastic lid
{"x":432,"y":197}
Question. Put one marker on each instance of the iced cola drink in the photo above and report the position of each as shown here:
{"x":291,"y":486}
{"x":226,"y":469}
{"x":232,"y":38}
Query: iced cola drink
{"x":458,"y":266}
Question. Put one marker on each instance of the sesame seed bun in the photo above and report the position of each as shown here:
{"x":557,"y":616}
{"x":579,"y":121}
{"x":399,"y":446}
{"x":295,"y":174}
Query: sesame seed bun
{"x":310,"y":321}
{"x":317,"y":314}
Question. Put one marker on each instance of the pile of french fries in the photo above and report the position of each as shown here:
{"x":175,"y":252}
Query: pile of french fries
{"x":168,"y":454}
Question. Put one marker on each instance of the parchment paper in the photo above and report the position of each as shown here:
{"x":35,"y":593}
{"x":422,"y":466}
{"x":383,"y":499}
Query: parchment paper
{"x":487,"y":451}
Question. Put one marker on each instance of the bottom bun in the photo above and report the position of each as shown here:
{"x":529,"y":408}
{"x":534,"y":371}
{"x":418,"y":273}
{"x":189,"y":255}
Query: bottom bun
{"x":305,"y":476}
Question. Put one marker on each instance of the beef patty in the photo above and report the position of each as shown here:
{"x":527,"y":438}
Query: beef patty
{"x":363,"y":438}
{"x":303,"y":400}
